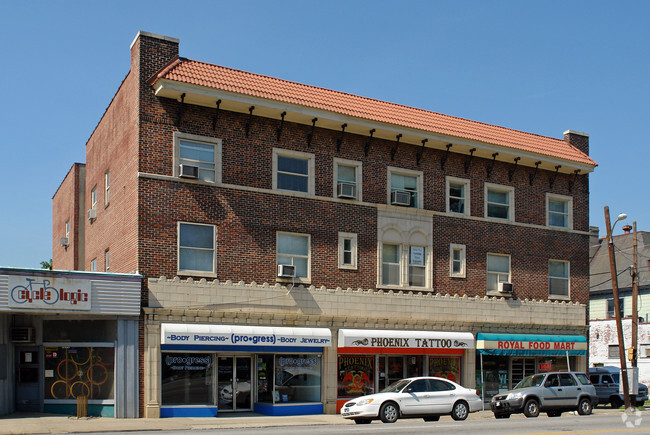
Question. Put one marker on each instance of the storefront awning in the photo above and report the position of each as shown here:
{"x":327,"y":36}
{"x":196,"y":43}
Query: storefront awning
{"x":405,"y":342}
{"x":531,"y":344}
{"x":191,"y":336}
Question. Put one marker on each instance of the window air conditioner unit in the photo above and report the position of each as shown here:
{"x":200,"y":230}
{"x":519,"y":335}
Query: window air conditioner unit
{"x":286,"y":271}
{"x":92,"y":214}
{"x":505,"y":287}
{"x":22,"y":334}
{"x":347,"y":190}
{"x":400,"y":197}
{"x":645,"y":352}
{"x":65,"y":241}
{"x":189,"y":171}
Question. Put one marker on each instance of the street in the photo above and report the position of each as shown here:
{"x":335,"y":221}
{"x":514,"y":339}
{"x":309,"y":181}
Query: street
{"x":518,"y":424}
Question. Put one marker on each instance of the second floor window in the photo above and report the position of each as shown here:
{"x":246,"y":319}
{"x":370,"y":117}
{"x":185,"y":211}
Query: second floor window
{"x":196,"y":248}
{"x":390,"y":264}
{"x":559,"y":211}
{"x":293,"y":171}
{"x":611,"y":311}
{"x":347,"y":251}
{"x":67,"y":229}
{"x":93,"y":198}
{"x":405,"y":187}
{"x":107,"y":188}
{"x":347,"y":179}
{"x":201,"y":155}
{"x":107,"y":261}
{"x":498,"y":270}
{"x":558,"y":278}
{"x":293,"y":249}
{"x":93,"y":265}
{"x":458,"y":196}
{"x":457,"y":261}
{"x":499,"y":203}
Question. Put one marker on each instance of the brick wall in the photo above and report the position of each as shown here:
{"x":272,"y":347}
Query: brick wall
{"x":67,"y":205}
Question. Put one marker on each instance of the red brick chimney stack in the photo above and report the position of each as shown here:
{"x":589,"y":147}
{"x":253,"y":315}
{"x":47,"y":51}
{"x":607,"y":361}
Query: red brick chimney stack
{"x":578,"y":140}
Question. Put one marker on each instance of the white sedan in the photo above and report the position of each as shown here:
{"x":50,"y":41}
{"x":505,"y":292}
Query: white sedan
{"x":421,"y":397}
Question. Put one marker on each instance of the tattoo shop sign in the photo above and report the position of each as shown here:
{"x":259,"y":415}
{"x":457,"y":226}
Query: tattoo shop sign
{"x":364,"y":338}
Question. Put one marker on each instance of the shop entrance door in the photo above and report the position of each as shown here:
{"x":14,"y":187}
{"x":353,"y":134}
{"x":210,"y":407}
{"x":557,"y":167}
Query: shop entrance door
{"x":28,"y":370}
{"x":234,"y":375}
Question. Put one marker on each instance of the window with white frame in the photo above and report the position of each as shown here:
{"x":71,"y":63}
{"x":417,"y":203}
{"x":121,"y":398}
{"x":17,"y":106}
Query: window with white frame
{"x":499,"y":202}
{"x":613,"y":351}
{"x":196,"y":248}
{"x":93,"y":198}
{"x":611,"y":309}
{"x":498,"y":270}
{"x":457,"y":262}
{"x":93,"y":265}
{"x":403,"y":184}
{"x":558,"y":278}
{"x":67,"y":229}
{"x":390,"y":264}
{"x":347,"y":251}
{"x":417,"y":266}
{"x":458,"y":196}
{"x":200,"y":157}
{"x":347,"y":179}
{"x":293,"y":171}
{"x":107,"y":188}
{"x":294,"y":249}
{"x":559,"y":211}
{"x":107,"y":261}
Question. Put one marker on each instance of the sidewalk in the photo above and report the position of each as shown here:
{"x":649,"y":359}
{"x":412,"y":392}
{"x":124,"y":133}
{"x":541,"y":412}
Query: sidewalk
{"x":27,"y":423}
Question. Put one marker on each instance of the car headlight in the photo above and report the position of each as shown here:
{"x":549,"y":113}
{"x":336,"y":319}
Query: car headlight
{"x":364,"y":402}
{"x":514,"y":396}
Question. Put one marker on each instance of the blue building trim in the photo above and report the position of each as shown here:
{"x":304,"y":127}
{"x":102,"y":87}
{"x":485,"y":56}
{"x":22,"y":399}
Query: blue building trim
{"x":296,"y":409}
{"x":230,"y":348}
{"x":188,"y":411}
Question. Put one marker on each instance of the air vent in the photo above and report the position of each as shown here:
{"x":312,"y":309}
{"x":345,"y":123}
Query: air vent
{"x":347,"y":190}
{"x":22,"y":334}
{"x":286,"y":271}
{"x":189,"y":171}
{"x":400,"y":197}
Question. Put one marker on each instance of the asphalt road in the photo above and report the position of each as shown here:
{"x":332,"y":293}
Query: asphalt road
{"x":613,"y":423}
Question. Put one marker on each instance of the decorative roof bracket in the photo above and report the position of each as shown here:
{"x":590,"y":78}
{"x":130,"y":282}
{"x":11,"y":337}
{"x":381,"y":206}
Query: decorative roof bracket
{"x":512,"y":171}
{"x":310,"y":136}
{"x":366,"y":148}
{"x":551,"y":180}
{"x":445,"y":157}
{"x":469,"y":159}
{"x":250,"y":117}
{"x":216,"y":116}
{"x":279,"y":131}
{"x":394,"y":150}
{"x":573,"y":181}
{"x":420,"y":152}
{"x":339,"y":141}
{"x":181,"y":109}
{"x":494,"y":160}
{"x":531,"y":177}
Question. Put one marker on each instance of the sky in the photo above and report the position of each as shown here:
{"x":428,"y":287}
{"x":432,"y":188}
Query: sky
{"x":541,"y":67}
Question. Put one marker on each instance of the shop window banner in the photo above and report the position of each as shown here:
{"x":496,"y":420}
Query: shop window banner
{"x":356,"y":375}
{"x":448,"y":368}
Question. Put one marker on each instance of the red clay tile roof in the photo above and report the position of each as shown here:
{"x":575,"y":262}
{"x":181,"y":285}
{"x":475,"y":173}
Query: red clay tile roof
{"x":242,"y":82}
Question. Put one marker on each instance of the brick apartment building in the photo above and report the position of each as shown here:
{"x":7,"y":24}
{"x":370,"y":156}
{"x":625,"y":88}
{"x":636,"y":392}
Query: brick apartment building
{"x":302,"y":245}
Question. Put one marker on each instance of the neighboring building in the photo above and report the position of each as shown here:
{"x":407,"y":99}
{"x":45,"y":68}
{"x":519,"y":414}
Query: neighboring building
{"x":68,"y":334}
{"x":303,"y":245}
{"x":603,"y":342}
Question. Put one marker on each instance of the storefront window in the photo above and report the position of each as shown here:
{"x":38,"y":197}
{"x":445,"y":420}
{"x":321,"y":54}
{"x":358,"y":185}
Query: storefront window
{"x":187,"y":378}
{"x":443,"y":367}
{"x":71,"y":372}
{"x":79,"y":331}
{"x":265,"y":378}
{"x":356,"y":375}
{"x":297,"y":378}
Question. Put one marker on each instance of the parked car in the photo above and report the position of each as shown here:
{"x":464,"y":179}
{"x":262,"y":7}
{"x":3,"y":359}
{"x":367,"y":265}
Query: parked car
{"x":553,"y":393}
{"x":606,"y":381}
{"x":420,"y":397}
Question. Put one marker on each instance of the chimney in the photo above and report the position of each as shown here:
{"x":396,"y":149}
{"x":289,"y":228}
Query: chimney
{"x":577,"y":140}
{"x":151,"y":52}
{"x":627,"y":229}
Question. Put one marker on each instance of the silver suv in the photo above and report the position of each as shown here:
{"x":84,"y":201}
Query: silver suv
{"x":553,"y":393}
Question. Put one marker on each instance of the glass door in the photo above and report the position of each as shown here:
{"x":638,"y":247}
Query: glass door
{"x":234,"y":383}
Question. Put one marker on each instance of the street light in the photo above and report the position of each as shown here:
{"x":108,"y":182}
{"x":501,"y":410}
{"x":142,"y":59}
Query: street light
{"x":619,"y":326}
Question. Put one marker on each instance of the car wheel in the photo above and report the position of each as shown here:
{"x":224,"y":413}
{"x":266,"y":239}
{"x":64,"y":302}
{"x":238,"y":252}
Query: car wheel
{"x":362,"y":421}
{"x":531,"y":408}
{"x":505,"y":415}
{"x":389,"y":412}
{"x":460,"y":411}
{"x":432,"y":418}
{"x":616,"y":402}
{"x":554,"y":414}
{"x":584,"y":407}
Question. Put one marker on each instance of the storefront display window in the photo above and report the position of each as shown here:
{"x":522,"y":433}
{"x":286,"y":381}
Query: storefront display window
{"x":71,"y":372}
{"x":445,"y":367}
{"x":265,"y":378}
{"x":187,"y":378}
{"x":356,"y":375}
{"x":79,"y":331}
{"x":297,"y":378}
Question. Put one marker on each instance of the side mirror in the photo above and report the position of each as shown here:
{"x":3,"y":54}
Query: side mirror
{"x":409,"y":390}
{"x":547,"y":383}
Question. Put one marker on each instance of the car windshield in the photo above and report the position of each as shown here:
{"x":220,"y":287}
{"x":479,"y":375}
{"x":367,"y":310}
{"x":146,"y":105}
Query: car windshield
{"x":396,"y":387}
{"x":530,"y":381}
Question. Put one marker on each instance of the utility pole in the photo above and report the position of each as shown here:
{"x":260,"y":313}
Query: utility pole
{"x":635,"y":296}
{"x":617,"y":310}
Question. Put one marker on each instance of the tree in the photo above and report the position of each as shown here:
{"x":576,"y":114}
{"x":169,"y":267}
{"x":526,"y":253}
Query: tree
{"x":46,"y":264}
